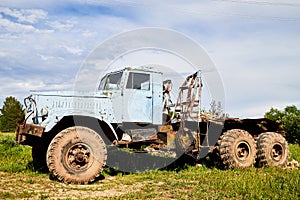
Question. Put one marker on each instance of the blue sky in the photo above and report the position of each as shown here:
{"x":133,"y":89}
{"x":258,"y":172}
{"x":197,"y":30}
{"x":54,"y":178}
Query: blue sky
{"x":255,"y":45}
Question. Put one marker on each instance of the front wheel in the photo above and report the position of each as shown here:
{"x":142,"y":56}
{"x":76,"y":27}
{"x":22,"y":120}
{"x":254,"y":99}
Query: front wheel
{"x":273,"y":150}
{"x":76,"y":155}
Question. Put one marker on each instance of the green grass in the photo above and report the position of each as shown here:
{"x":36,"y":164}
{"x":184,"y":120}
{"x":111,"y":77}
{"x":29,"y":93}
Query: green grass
{"x":203,"y":183}
{"x":295,"y":151}
{"x":18,"y":180}
{"x":14,"y":157}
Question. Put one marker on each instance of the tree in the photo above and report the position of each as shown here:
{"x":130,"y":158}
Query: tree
{"x":11,"y":114}
{"x":289,"y":119}
{"x":216,"y":109}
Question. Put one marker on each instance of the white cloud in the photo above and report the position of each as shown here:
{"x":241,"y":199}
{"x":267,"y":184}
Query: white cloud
{"x":62,"y":26}
{"x":170,"y":13}
{"x":259,"y":71}
{"x":3,"y":54}
{"x":20,"y":88}
{"x":47,"y":58}
{"x":73,"y":50}
{"x":25,"y":15}
{"x":15,"y":27}
{"x":89,"y":33}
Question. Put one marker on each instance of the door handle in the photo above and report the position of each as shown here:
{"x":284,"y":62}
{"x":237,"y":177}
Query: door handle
{"x":148,"y":97}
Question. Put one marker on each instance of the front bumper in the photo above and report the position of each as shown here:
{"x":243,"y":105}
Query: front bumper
{"x":26,"y":132}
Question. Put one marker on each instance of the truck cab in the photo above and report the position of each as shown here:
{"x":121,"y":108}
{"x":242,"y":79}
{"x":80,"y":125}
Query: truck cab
{"x":137,"y":94}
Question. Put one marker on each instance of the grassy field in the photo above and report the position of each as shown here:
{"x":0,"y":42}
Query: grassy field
{"x":18,"y":180}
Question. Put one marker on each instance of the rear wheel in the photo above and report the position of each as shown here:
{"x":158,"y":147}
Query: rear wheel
{"x":236,"y":149}
{"x":272,"y":149}
{"x":76,"y":155}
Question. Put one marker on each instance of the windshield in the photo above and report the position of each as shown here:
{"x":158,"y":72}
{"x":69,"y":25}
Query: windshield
{"x":111,"y":81}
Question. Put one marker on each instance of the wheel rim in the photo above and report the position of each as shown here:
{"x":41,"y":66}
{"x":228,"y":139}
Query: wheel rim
{"x":277,"y":152}
{"x":243,"y":151}
{"x":78,"y":157}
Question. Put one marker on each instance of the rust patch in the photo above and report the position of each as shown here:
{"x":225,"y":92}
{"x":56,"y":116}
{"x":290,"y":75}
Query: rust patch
{"x":28,"y":129}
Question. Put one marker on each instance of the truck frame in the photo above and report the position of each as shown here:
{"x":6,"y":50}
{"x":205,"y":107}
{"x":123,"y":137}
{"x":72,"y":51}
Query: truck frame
{"x":72,"y":132}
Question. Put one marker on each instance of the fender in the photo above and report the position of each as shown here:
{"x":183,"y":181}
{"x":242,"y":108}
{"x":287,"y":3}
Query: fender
{"x":88,"y":119}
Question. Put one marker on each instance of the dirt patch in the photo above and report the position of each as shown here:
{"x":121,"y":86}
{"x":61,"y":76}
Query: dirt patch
{"x":23,"y":186}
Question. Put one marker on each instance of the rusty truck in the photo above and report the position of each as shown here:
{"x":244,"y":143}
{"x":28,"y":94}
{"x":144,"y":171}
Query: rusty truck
{"x":73,"y":132}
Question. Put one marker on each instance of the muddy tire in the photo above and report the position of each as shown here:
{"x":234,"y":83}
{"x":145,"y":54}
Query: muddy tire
{"x":272,"y":150}
{"x":236,"y":148}
{"x":76,"y":155}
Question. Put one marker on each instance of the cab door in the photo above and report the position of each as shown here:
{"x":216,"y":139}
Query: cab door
{"x":137,"y":98}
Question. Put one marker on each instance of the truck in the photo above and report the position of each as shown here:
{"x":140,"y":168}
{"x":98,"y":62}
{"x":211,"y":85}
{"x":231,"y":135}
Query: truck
{"x":131,"y":123}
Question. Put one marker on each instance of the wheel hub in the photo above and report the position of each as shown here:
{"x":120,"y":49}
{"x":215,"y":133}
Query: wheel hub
{"x":277,"y":152}
{"x":78,"y":156}
{"x":243,"y":151}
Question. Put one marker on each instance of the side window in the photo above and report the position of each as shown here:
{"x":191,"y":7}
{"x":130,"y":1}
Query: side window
{"x":138,"y":81}
{"x":111,"y":81}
